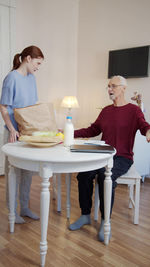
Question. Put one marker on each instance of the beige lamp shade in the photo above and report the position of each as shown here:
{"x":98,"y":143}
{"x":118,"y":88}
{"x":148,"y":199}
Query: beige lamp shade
{"x":69,"y":102}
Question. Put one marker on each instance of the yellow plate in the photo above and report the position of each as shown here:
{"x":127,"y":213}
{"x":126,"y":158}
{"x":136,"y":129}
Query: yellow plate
{"x":40,"y":139}
{"x":42,"y":144}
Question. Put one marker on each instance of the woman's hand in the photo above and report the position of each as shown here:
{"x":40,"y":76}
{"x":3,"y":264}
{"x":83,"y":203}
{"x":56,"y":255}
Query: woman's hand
{"x":148,"y":135}
{"x":13,"y":136}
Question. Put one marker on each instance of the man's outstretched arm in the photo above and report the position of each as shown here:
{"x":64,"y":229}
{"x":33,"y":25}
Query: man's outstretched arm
{"x":148,"y":135}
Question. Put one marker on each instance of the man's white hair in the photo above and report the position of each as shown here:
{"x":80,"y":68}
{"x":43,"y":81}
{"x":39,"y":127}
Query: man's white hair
{"x":123,"y":81}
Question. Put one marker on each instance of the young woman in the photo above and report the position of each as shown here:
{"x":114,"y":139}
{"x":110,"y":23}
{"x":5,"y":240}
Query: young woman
{"x":18,"y":91}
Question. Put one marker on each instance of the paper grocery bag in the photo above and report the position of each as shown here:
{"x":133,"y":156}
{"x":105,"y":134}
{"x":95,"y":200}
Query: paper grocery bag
{"x":39,"y":117}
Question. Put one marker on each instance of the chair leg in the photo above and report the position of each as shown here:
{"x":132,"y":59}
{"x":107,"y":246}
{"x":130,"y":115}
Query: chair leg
{"x":96,"y":201}
{"x":68,"y":184}
{"x":137,"y":201}
{"x":59,"y":192}
{"x":54,"y":186}
{"x":131,"y":189}
{"x":143,"y":178}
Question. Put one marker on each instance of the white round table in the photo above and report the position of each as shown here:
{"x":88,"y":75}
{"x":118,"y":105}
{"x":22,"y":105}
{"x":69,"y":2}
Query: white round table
{"x":47,"y":161}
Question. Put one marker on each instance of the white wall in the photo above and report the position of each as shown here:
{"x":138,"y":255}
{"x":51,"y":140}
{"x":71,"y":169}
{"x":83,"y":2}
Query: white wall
{"x":75,"y":36}
{"x":106,"y":25}
{"x":51,"y":25}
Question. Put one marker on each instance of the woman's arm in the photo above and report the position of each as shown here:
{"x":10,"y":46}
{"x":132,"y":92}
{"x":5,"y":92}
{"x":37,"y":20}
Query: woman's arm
{"x":13,"y":133}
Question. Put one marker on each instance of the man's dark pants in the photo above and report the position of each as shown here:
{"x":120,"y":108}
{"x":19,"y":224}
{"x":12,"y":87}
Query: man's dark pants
{"x":85,"y":184}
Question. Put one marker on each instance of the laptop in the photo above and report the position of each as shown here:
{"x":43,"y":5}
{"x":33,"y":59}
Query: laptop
{"x":92,"y":148}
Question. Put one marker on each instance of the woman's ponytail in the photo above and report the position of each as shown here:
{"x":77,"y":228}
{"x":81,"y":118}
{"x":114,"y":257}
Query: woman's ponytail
{"x":16,"y":62}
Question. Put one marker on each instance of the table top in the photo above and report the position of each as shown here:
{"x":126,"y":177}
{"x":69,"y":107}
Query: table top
{"x":56,"y":154}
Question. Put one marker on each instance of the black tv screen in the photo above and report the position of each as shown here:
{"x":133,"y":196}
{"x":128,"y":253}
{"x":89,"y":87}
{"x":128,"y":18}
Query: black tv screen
{"x":129,"y":63}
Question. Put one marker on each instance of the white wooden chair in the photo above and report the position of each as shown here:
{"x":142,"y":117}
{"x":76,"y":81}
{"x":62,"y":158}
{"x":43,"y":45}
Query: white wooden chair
{"x":132,"y":179}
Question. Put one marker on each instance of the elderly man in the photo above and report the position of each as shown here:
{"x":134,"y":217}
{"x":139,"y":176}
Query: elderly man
{"x":118,"y":124}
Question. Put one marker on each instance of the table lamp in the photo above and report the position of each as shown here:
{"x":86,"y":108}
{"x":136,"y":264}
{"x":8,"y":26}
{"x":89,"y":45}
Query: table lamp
{"x":69,"y":102}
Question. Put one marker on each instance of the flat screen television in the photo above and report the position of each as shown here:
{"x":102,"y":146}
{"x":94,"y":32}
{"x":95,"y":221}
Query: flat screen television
{"x":129,"y":63}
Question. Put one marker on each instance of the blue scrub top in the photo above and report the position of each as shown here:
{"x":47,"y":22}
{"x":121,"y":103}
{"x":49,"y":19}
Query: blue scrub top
{"x":18,"y":91}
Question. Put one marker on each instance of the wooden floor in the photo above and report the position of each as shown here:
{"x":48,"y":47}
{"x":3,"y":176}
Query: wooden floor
{"x":129,"y":245}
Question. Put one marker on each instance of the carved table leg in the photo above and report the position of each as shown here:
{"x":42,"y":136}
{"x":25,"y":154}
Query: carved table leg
{"x":107,"y":201}
{"x":12,"y":193}
{"x":44,"y":211}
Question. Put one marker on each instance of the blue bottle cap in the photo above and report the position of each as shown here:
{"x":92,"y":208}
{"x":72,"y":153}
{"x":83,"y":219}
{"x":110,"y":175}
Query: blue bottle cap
{"x":69,"y":117}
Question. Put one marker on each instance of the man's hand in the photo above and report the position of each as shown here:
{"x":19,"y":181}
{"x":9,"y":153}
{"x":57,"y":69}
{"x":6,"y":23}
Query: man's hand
{"x":148,"y":135}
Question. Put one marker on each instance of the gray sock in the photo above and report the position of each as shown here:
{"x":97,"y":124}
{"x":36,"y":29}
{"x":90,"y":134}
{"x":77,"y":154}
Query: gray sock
{"x":84,"y":219}
{"x":19,"y":219}
{"x":28,"y":213}
{"x":101,"y":231}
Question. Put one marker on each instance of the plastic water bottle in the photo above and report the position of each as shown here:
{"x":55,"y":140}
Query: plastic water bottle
{"x":68,"y":132}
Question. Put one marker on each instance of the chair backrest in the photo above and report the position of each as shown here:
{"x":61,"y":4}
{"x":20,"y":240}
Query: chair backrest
{"x":141,"y":154}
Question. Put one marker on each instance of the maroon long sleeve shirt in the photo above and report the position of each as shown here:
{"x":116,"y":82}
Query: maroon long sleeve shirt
{"x":118,"y":126}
